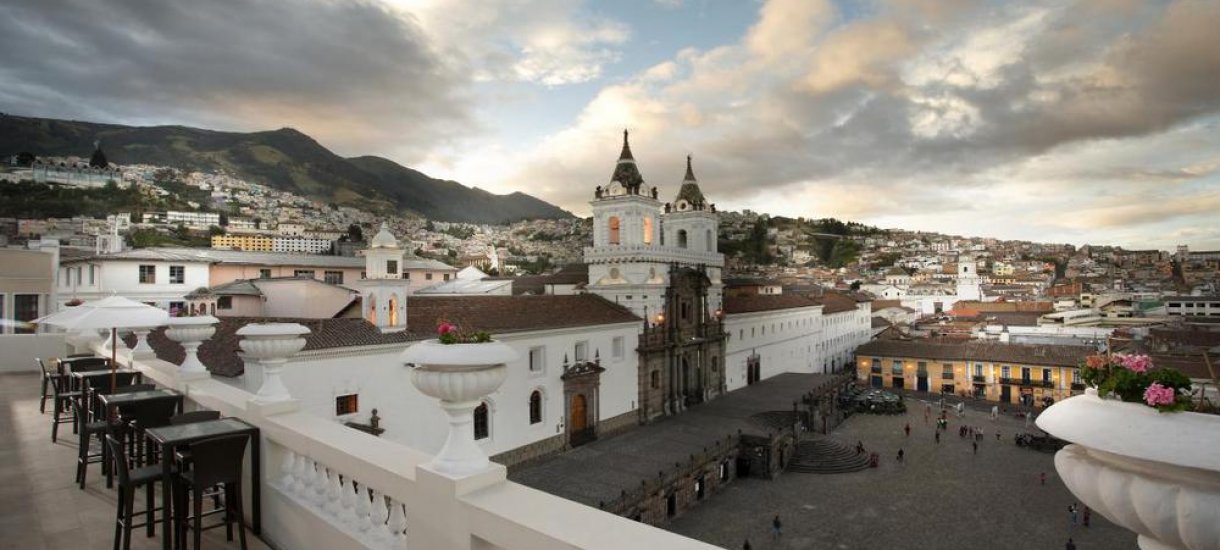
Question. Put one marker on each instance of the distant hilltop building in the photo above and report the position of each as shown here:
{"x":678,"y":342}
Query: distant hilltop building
{"x":97,"y":173}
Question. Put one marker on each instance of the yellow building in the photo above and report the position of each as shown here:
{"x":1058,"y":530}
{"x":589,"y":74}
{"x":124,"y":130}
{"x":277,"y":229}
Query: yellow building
{"x":989,"y":370}
{"x":250,"y":243}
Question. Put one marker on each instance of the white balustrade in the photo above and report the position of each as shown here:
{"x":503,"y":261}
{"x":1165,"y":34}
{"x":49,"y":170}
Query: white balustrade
{"x":350,"y":506}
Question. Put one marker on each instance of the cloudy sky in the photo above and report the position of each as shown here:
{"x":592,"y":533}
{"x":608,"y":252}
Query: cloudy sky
{"x":1069,"y":121}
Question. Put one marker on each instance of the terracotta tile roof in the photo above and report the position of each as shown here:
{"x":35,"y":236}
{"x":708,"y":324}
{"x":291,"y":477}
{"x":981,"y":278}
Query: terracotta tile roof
{"x":494,"y":314}
{"x":751,"y":303}
{"x":975,"y":350}
{"x":571,"y":274}
{"x":1191,"y":365}
{"x":500,"y":314}
{"x":835,"y":302}
{"x":879,"y":305}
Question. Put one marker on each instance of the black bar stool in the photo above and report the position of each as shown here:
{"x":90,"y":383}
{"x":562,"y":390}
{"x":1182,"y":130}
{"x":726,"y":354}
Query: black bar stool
{"x":61,"y":410}
{"x":130,"y":480}
{"x":217,"y":461}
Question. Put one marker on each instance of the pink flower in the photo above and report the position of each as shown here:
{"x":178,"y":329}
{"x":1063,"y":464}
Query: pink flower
{"x":445,"y":328}
{"x":1095,"y":361}
{"x":1135,"y":363}
{"x":1156,"y":394}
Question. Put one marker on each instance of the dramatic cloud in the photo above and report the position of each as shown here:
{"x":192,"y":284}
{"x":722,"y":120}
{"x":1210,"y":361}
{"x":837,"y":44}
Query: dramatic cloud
{"x":1086,"y":120}
{"x":351,"y":72}
{"x":917,"y":115}
{"x":544,"y":41}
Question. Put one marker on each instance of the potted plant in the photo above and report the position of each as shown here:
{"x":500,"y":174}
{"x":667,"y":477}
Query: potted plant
{"x":460,"y":367}
{"x":1136,"y":458}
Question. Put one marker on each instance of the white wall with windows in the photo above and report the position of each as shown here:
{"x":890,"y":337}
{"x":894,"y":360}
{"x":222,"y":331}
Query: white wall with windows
{"x":382,"y":382}
{"x":784,"y":340}
{"x":160,"y":282}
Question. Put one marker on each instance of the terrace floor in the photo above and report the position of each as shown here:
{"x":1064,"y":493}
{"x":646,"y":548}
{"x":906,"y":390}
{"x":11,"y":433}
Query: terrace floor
{"x":40,"y":505}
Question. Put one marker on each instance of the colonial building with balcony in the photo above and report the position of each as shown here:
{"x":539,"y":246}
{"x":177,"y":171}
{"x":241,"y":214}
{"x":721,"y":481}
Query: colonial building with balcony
{"x":1022,"y":374}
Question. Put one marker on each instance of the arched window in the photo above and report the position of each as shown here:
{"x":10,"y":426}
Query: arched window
{"x":681,"y":238}
{"x":481,"y":426}
{"x":535,"y":407}
{"x":656,"y":379}
{"x":373,"y":309}
{"x":393,"y":315}
{"x":614,"y":230}
{"x":647,"y":230}
{"x":711,"y":244}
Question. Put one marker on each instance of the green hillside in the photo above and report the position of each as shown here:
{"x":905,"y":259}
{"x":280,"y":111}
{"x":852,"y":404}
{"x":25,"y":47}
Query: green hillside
{"x":285,"y":159}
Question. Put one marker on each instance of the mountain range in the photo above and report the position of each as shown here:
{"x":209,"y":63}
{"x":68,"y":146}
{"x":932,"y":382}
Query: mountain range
{"x":285,"y":159}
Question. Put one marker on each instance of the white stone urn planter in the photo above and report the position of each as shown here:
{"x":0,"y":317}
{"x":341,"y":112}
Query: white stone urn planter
{"x":460,"y":376}
{"x":1157,"y":474}
{"x":272,"y":344}
{"x":191,"y":332}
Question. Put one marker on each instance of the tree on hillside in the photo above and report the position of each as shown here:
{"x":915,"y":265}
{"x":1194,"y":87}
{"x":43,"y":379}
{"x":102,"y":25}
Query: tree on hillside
{"x":355,"y":233}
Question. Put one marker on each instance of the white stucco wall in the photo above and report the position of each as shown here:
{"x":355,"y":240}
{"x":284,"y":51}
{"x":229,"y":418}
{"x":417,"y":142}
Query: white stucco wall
{"x":409,"y":417}
{"x":123,"y":278}
{"x":785,"y":340}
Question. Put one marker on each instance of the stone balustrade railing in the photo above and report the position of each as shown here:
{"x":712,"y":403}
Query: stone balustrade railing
{"x":328,"y":486}
{"x":366,"y":514}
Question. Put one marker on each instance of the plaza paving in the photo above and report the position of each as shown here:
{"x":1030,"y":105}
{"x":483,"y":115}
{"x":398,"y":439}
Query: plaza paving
{"x":941,"y":497}
{"x":601,"y":470}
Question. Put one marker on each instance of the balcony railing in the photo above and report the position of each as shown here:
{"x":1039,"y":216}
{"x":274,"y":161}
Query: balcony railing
{"x":1077,"y":386}
{"x":1046,"y":383}
{"x":979,"y":378}
{"x":1012,"y":381}
{"x":875,"y":370}
{"x":329,"y":486}
{"x":946,"y":376}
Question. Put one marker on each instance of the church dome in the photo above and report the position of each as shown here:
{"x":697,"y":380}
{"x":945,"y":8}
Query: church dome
{"x":384,"y":239}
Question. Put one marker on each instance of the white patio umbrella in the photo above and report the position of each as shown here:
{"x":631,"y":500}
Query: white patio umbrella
{"x":112,"y":313}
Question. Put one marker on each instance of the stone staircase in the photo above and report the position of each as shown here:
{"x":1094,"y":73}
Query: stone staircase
{"x":825,"y":455}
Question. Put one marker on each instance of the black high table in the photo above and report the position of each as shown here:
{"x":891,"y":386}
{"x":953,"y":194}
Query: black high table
{"x":111,"y":401}
{"x":169,"y":437}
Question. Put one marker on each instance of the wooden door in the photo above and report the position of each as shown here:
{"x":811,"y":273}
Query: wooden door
{"x":579,"y":419}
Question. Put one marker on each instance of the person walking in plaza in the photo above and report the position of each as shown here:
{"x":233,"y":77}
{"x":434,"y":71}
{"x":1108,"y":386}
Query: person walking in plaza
{"x":1072,"y":513}
{"x":1070,"y":545}
{"x":997,"y":435}
{"x":1042,"y":477}
{"x":1085,"y":519}
{"x":900,"y":454}
{"x":938,"y":437}
{"x":907,"y":429}
{"x":975,"y":444}
{"x":746,"y":545}
{"x":775,"y":527}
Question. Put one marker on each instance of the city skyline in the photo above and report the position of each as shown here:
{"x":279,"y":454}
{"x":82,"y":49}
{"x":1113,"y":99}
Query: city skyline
{"x":1092,"y":122}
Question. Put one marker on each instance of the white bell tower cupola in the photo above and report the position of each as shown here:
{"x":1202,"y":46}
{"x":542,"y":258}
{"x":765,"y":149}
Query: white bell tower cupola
{"x":969,"y":286}
{"x":383,"y":291}
{"x":626,"y":262}
{"x":691,"y":221}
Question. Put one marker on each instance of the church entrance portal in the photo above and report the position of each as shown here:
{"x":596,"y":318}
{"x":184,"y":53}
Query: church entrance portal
{"x":579,"y":429}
